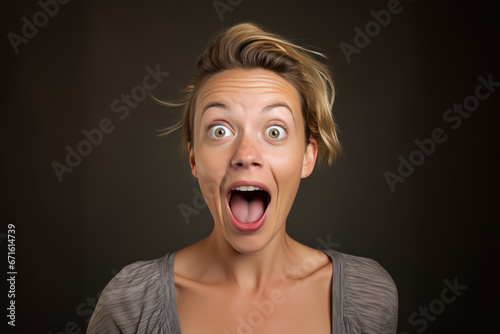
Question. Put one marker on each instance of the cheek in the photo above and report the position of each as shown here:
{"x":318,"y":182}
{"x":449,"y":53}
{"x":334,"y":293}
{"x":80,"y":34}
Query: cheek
{"x":287,"y":175}
{"x":211,"y":172}
{"x":287,"y":168}
{"x":290,"y":157}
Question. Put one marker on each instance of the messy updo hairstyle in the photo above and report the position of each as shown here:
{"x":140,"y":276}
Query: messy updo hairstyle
{"x":246,"y":46}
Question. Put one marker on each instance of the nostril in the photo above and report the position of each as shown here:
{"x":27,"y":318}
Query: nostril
{"x":242,"y":164}
{"x":246,"y":156}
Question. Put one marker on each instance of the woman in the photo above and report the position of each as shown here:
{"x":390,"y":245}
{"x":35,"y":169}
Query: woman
{"x":256,"y":118}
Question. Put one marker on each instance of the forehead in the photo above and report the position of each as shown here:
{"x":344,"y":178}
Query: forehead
{"x":247,"y":86}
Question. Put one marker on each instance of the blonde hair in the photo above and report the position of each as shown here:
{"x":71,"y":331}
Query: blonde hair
{"x":246,"y":46}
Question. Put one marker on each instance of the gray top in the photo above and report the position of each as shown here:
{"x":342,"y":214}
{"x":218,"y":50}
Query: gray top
{"x":141,"y":298}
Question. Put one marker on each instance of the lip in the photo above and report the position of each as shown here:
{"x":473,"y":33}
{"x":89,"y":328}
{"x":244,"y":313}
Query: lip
{"x":240,"y":226}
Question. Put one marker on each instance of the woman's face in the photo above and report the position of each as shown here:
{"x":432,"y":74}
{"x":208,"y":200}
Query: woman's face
{"x":249,"y":153}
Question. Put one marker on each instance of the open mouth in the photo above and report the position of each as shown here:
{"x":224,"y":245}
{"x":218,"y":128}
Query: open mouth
{"x":248,"y":206}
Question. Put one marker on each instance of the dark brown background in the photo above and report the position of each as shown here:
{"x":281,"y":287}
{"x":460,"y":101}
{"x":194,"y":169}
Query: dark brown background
{"x":121,"y":204}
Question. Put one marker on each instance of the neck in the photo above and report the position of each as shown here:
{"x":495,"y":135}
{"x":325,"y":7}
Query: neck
{"x":251,"y":271}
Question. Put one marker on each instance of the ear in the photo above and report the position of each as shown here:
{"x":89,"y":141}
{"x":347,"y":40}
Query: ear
{"x":310,"y":155}
{"x":192,"y":160}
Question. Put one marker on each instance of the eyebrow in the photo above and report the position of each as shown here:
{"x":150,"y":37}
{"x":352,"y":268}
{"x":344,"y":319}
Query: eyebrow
{"x":278,"y":104}
{"x":214,"y":104}
{"x":266,"y":108}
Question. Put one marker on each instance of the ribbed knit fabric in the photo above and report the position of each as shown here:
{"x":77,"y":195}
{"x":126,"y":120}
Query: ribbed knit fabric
{"x":141,"y":298}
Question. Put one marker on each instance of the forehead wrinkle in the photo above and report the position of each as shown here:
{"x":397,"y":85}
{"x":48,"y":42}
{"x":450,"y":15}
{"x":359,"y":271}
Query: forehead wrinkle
{"x":247,"y":80}
{"x":222,"y":86}
{"x":218,"y":87}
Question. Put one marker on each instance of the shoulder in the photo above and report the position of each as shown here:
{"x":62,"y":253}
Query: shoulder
{"x":135,"y":298}
{"x":369,"y":294}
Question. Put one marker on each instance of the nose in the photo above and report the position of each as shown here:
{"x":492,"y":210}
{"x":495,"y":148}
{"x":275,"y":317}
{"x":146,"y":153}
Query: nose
{"x":246,"y":154}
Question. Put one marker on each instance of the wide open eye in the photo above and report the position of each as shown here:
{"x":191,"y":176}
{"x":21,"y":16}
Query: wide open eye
{"x":219,"y":131}
{"x":275,"y":132}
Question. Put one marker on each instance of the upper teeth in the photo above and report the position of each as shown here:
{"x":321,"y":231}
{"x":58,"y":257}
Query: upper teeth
{"x":246,"y":188}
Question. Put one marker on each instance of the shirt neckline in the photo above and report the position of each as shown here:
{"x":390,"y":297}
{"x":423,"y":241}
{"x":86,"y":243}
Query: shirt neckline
{"x":336,"y":298}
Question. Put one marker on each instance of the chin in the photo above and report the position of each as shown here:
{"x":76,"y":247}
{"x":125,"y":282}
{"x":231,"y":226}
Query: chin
{"x":245,"y":242}
{"x":248,"y":246}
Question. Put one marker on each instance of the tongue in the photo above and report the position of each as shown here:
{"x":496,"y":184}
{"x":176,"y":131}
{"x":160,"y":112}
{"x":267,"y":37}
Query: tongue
{"x":247,"y":210}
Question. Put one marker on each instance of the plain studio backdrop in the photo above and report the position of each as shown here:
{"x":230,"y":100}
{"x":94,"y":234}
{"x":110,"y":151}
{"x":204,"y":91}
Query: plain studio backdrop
{"x":90,"y":187}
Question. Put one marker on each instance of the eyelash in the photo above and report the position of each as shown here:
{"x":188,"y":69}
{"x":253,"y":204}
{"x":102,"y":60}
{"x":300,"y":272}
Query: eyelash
{"x":277,"y":124}
{"x":214,"y":124}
